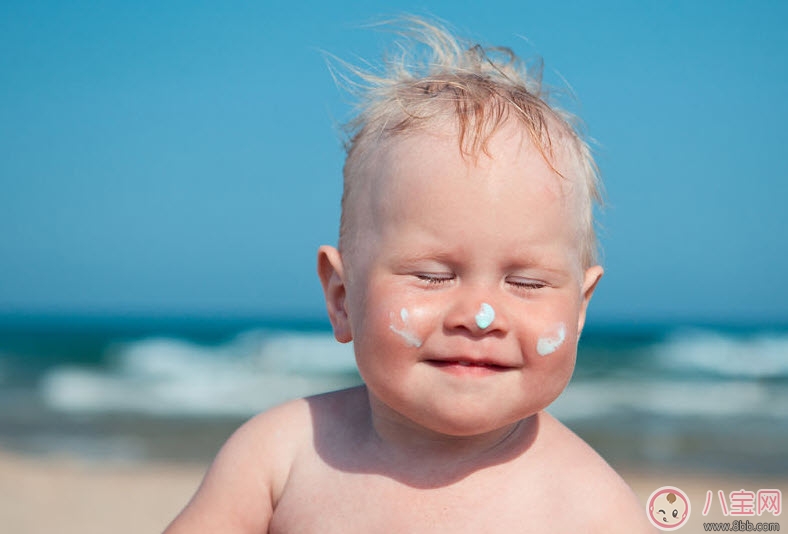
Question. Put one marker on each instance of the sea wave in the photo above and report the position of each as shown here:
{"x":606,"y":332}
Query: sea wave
{"x":168,"y":376}
{"x":668,"y":398}
{"x":720,"y":354}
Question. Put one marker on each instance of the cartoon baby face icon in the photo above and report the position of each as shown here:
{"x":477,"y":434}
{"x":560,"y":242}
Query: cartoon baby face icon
{"x":668,"y":508}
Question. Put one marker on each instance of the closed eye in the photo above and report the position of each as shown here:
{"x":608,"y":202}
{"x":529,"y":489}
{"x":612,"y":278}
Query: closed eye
{"x":435,"y":278}
{"x":525,"y":283}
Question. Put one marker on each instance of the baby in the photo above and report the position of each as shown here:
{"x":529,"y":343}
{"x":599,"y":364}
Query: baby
{"x":465,"y":266}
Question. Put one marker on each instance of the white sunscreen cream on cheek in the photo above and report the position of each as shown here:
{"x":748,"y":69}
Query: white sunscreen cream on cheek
{"x":548,"y":343}
{"x":403,"y":329}
{"x":486,"y":316}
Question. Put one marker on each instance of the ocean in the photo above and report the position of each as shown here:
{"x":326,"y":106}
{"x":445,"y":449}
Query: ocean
{"x":707,"y":398}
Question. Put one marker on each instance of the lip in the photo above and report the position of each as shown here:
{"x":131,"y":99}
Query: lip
{"x":465,"y":365}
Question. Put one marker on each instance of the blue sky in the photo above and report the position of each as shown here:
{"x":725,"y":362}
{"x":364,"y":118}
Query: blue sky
{"x":184,"y":158}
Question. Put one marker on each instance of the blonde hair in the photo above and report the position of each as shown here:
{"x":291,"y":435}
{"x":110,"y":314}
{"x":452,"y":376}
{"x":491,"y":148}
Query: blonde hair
{"x":480,"y":88}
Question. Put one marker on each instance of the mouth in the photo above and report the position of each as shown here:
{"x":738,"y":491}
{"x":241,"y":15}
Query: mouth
{"x":468,"y":365}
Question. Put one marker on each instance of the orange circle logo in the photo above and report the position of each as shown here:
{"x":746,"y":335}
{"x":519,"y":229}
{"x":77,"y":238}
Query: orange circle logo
{"x":668,"y":508}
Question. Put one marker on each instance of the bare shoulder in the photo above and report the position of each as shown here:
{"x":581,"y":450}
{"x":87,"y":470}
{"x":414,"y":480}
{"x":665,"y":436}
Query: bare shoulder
{"x":594,"y":490}
{"x":242,"y":485}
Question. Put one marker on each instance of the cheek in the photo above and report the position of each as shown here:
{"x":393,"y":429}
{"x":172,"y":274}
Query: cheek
{"x":551,"y":353}
{"x":402,"y":325}
{"x":554,"y":334}
{"x":551,"y":339}
{"x":412,"y":323}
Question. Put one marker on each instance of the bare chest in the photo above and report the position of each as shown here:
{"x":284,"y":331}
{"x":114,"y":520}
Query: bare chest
{"x":362,"y":502}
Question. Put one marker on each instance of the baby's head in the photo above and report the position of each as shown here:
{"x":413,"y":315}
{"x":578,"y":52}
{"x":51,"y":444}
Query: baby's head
{"x":472,"y":91}
{"x":467,"y":253}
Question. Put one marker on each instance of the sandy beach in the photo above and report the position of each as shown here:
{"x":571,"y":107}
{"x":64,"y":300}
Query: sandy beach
{"x":70,"y":495}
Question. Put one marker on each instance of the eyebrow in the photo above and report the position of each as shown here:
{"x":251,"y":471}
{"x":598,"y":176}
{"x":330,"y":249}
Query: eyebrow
{"x":408,"y":259}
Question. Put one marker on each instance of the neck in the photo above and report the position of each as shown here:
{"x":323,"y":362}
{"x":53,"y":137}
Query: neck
{"x":436,"y":458}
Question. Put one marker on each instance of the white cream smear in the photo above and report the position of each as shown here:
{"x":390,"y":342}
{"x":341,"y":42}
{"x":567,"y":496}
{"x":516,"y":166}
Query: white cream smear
{"x":548,"y":344}
{"x":404,"y":332}
{"x":485,"y":317}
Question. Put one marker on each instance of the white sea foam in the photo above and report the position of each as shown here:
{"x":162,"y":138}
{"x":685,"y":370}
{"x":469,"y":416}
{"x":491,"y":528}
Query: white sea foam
{"x":165,"y":376}
{"x":719,"y":354}
{"x":599,"y":398}
{"x":692,"y":373}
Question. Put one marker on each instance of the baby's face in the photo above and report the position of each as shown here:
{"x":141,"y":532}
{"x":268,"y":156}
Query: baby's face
{"x":467,"y":295}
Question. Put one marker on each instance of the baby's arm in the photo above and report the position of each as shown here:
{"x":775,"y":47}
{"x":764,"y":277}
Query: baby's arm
{"x":238,"y":493}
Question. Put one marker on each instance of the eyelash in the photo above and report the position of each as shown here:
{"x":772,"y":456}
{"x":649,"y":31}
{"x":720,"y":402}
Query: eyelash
{"x":435,"y":279}
{"x":441,"y":279}
{"x":527,"y":285}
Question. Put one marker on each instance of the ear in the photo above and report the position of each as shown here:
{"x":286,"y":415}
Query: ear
{"x":590,"y":279}
{"x":332,"y":277}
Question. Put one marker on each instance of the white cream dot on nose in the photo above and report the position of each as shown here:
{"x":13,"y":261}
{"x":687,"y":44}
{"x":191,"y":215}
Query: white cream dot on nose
{"x":485,"y":317}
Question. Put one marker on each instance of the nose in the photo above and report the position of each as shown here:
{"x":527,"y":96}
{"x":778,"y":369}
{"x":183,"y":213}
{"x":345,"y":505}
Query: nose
{"x":478,"y":315}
